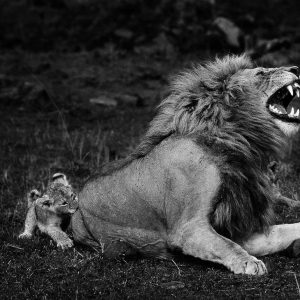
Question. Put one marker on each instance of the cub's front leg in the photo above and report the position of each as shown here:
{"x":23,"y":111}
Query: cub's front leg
{"x":30,"y":221}
{"x":61,"y":238}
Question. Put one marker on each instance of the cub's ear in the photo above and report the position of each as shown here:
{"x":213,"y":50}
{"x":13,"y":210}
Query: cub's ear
{"x":32,"y":196}
{"x":60,"y":178}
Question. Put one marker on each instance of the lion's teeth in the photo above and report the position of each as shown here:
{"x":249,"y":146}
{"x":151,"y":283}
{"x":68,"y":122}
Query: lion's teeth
{"x":292,"y":113}
{"x":290,"y":88}
{"x":296,"y":85}
{"x":297,"y":113}
{"x":298,"y":93}
{"x":272,"y":108}
{"x":275,"y":109}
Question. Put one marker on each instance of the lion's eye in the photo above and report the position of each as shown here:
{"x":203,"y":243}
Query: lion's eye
{"x":64,"y":203}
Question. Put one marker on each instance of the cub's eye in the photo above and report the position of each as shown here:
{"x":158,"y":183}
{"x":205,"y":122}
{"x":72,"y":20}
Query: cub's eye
{"x":46,"y":203}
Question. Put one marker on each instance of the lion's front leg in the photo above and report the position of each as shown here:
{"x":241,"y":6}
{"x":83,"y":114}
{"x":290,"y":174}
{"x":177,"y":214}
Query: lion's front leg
{"x":278,"y":238}
{"x":203,"y":241}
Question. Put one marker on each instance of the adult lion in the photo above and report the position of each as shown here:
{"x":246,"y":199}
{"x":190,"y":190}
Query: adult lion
{"x":197,"y":181}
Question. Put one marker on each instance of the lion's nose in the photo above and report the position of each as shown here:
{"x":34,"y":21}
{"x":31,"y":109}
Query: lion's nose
{"x":294,"y":70}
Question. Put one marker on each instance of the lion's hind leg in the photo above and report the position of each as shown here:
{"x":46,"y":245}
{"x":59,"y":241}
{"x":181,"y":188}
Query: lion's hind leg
{"x":116,"y":240}
{"x":278,"y":238}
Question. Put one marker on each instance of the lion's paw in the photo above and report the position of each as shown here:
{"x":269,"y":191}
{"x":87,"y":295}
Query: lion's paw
{"x":25,"y":235}
{"x":65,"y":244}
{"x":255,"y":267}
{"x":250,"y":266}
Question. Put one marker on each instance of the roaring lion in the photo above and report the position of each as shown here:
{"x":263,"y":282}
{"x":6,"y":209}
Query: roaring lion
{"x":197,"y":182}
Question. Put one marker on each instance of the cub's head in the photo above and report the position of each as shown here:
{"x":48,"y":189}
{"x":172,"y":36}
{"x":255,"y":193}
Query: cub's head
{"x":59,"y":197}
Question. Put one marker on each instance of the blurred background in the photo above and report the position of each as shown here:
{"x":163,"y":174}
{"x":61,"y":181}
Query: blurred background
{"x":81,"y":49}
{"x":79,"y":82}
{"x":163,"y":27}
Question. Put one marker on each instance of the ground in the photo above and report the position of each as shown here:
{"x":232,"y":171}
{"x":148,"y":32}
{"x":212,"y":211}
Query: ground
{"x":48,"y":124}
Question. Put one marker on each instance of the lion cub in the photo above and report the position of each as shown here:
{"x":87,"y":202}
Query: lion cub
{"x":51,"y":212}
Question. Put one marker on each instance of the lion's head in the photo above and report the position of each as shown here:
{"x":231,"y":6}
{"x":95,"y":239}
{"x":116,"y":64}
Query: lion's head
{"x":278,"y":90}
{"x":226,"y":87}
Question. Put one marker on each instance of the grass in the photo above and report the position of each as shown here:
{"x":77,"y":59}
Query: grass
{"x":76,"y":138}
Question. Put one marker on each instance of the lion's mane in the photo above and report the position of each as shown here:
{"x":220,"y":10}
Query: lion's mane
{"x":222,"y":115}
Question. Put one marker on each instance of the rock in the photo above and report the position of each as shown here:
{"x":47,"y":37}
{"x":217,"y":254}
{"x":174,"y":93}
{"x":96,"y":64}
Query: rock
{"x":147,"y":97}
{"x":153,"y":84}
{"x":10,"y":95}
{"x":29,"y":95}
{"x":231,"y":32}
{"x":160,"y":45}
{"x":128,"y":99}
{"x":124,"y":34}
{"x":6,"y":81}
{"x":104,"y":100}
{"x":267,"y":46}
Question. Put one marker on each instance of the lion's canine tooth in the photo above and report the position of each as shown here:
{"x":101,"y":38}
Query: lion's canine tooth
{"x":290,"y":88}
{"x":272,"y":108}
{"x":297,"y":84}
{"x":298,"y":93}
{"x":292,"y":113}
{"x":297,"y":113}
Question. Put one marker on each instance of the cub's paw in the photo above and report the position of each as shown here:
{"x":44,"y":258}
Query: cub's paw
{"x":25,"y":235}
{"x":65,"y":244}
{"x":250,"y":266}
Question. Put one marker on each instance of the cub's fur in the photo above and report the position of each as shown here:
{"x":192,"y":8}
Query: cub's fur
{"x":51,"y":212}
{"x":198,"y":181}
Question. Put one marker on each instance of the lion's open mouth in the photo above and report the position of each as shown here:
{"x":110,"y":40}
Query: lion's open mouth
{"x":285,"y":103}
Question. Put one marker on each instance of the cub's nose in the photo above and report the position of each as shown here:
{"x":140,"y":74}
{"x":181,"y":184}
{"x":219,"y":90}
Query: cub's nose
{"x":294,"y":70}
